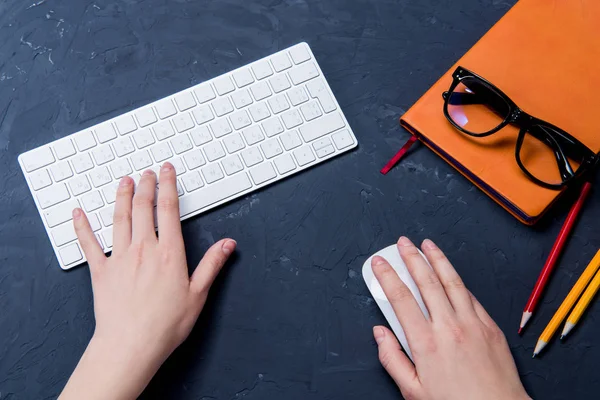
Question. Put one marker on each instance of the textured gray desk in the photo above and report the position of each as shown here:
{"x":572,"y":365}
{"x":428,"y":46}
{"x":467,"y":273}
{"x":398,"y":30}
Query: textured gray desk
{"x":291,"y":317}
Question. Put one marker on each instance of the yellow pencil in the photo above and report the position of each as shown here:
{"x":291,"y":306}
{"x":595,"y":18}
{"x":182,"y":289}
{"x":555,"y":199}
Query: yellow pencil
{"x":567,"y":303}
{"x":581,"y":305}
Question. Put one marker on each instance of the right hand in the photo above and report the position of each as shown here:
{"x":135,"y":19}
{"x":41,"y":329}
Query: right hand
{"x":459,"y":353}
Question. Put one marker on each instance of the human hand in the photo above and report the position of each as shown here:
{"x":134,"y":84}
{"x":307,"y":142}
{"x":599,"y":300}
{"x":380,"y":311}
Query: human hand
{"x":145,"y":303}
{"x":459,"y":353}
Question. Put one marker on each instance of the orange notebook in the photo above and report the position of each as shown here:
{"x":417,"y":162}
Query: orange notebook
{"x":545,"y":55}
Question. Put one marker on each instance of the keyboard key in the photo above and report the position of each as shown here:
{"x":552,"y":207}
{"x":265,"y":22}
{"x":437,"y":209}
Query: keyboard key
{"x":85,"y":140}
{"x":141,"y":160}
{"x":253,"y":135}
{"x":192,"y":181}
{"x":145,"y":116}
{"x":201,"y":135}
{"x":100,"y":176}
{"x":224,"y":85}
{"x":318,"y":89}
{"x":106,"y":215}
{"x":304,"y":155}
{"x":194,"y":159}
{"x":342,"y":139}
{"x":233,"y":143}
{"x":220,"y":127}
{"x":125,"y":124}
{"x":272,"y":127}
{"x":180,"y":191}
{"x":107,"y":237}
{"x":61,"y":213}
{"x":183,"y":122}
{"x":64,"y":149}
{"x":178,"y":165}
{"x":93,"y":201}
{"x":259,"y":111}
{"x":281,"y":62}
{"x":222,"y":106}
{"x":105,"y":132}
{"x":109,"y":192}
{"x":260,"y":91}
{"x":165,"y":108}
{"x":214,"y":151}
{"x":311,"y":110}
{"x":62,"y":170}
{"x":181,"y":143}
{"x":185,"y":101}
{"x":271,"y":148}
{"x":70,"y":254}
{"x":314,"y":130}
{"x":100,"y":242}
{"x":163,"y":130}
{"x":143,"y":138}
{"x":291,"y":118}
{"x":212,"y":173}
{"x":243,"y":77}
{"x":297,"y":96}
{"x":213,"y":194}
{"x":203,"y":114}
{"x":232,"y":164}
{"x":123,"y":146}
{"x":284,"y":164}
{"x":53,"y":195}
{"x":304,"y":73}
{"x":241,"y":98}
{"x":299,"y":54}
{"x":262,"y":69}
{"x":240,"y":119}
{"x":161,"y":152}
{"x":252,"y":156}
{"x":204,"y":93}
{"x":323,"y":147}
{"x":37,"y":159}
{"x":79,"y":185}
{"x":290,"y":140}
{"x":278,"y":104}
{"x":262,"y":173}
{"x":103,"y":154}
{"x":120,"y":168}
{"x":82,"y":162}
{"x":279,"y":83}
{"x":40,"y":179}
{"x":94,"y":222}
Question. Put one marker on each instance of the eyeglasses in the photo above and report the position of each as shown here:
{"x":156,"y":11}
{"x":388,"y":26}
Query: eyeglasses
{"x":546,"y":154}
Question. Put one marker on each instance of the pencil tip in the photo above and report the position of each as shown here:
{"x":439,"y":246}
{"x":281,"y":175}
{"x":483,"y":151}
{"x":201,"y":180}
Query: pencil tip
{"x":520,"y":330}
{"x":533,"y":356}
{"x":561,"y":337}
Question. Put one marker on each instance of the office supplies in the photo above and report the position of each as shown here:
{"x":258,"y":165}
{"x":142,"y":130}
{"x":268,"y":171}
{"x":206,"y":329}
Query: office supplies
{"x":566,"y":305}
{"x":226,"y":137}
{"x":585,"y":299}
{"x":392,"y":256}
{"x":556,"y":251}
{"x":546,"y":65}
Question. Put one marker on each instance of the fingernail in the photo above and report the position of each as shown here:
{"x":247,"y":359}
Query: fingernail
{"x":229,"y":247}
{"x":125,"y":181}
{"x":76,"y":213}
{"x":404,"y":241}
{"x":166,"y":167}
{"x":377,"y":260}
{"x":148,"y":172}
{"x":428,"y":244}
{"x":378,"y":334}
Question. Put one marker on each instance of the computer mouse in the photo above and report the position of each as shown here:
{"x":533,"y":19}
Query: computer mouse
{"x":392,"y":256}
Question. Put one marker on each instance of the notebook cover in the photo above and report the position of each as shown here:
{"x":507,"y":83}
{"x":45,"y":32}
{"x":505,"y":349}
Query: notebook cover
{"x":545,"y":55}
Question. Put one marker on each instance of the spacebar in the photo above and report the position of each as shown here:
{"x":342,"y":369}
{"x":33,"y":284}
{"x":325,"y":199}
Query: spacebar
{"x":213,"y":193}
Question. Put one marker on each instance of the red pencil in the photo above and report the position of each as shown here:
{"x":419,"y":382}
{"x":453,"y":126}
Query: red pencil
{"x":554,"y":254}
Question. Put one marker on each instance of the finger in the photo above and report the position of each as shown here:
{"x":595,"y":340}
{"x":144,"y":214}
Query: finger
{"x":167,"y":208}
{"x":395,"y":362}
{"x":453,"y":285}
{"x":143,"y":208}
{"x":122,"y":215}
{"x":481,"y":312}
{"x":89,"y":244}
{"x":427,"y":281}
{"x":210,"y":265}
{"x":401,"y":298}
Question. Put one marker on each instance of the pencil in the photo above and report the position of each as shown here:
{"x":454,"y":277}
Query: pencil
{"x":567,"y":304}
{"x":584,"y":301}
{"x":563,"y":235}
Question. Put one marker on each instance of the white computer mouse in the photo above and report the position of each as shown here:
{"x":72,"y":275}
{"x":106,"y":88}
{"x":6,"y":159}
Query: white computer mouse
{"x":392,"y":256}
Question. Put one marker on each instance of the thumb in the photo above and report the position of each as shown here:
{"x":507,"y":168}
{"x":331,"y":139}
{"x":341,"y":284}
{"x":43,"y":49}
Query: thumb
{"x":210,"y":265}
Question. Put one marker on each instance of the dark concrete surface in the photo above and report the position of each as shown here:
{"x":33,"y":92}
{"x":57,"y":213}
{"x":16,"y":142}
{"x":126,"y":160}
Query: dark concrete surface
{"x":290,"y":318}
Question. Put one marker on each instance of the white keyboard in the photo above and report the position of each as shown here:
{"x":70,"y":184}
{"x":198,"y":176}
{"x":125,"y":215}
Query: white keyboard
{"x":225,"y":137}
